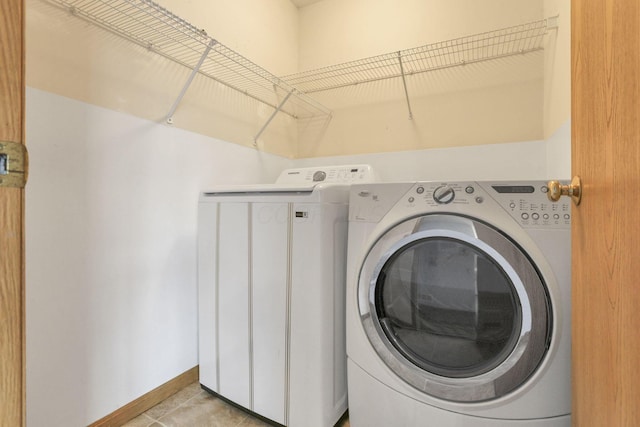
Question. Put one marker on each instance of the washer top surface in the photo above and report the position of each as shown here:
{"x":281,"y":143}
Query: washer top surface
{"x":301,"y":180}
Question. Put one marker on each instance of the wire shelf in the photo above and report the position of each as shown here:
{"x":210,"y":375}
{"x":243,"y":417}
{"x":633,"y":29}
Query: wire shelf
{"x":155,"y":28}
{"x":495,"y":44}
{"x":159,"y":30}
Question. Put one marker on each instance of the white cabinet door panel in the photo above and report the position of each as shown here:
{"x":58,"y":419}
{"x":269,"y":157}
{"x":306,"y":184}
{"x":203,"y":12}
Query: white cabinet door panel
{"x":207,"y":245}
{"x":270,"y":225}
{"x":233,"y":294}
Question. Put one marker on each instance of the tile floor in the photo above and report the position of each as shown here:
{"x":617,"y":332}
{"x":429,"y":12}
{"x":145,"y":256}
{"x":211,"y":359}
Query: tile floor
{"x":194,"y":407}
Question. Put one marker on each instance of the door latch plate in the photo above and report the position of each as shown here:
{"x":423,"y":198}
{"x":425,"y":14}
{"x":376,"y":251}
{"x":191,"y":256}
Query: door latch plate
{"x":14,"y":164}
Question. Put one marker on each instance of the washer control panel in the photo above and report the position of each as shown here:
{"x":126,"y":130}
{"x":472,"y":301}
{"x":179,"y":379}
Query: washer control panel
{"x":444,"y":194}
{"x":344,"y":174}
{"x":526,"y":202}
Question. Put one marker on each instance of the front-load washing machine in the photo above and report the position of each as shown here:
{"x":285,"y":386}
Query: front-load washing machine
{"x":458,"y":305}
{"x":271,"y":294}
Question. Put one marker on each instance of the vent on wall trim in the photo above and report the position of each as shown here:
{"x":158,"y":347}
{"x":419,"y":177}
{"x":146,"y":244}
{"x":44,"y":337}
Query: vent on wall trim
{"x":157,"y":29}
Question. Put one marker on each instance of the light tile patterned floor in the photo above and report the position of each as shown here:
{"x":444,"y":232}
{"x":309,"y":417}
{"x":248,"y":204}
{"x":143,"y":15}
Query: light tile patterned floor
{"x":194,"y":407}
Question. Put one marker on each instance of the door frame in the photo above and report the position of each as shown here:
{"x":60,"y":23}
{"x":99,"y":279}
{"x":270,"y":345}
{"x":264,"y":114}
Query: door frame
{"x":12,"y":268}
{"x":605,"y":153}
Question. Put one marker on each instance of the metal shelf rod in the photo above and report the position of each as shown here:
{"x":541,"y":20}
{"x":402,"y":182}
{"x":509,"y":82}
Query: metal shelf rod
{"x":195,"y":70}
{"x":278,"y":108}
{"x":404,"y":83}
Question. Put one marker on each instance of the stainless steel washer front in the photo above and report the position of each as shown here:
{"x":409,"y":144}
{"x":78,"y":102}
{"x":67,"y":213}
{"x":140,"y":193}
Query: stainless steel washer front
{"x":454,"y":307}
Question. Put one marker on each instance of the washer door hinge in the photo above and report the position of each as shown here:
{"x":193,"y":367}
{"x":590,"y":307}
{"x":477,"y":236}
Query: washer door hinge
{"x":14,"y":164}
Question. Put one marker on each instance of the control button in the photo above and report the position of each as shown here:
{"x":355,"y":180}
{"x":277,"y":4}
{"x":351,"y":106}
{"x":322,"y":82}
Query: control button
{"x":444,"y":194}
{"x":567,"y":216}
{"x":545,"y":216}
{"x":420,"y":190}
{"x":524,"y":215}
{"x":469,"y":189}
{"x":512,"y":205}
{"x":479,"y":199}
{"x":544,"y":189}
{"x":319,"y":176}
{"x":556,"y":216}
{"x":535,"y":216}
{"x":411,"y":199}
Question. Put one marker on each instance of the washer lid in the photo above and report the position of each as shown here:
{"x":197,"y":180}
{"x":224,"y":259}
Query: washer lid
{"x":454,"y":308}
{"x":300,"y":181}
{"x":254,"y":189}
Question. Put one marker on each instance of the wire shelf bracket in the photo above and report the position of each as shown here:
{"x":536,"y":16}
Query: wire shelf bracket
{"x":153,"y":27}
{"x":404,"y":84}
{"x":195,"y":70}
{"x":276,"y":111}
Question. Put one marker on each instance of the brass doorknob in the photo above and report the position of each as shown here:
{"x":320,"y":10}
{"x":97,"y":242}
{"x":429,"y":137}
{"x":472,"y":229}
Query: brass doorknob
{"x":573,"y":190}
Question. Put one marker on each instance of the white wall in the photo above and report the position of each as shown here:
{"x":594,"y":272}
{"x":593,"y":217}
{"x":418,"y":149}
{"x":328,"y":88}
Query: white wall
{"x":265,"y":31}
{"x":67,"y":56}
{"x":493,"y":102}
{"x":498,"y":101}
{"x":335,"y":31}
{"x":559,"y":153}
{"x":557,"y":68}
{"x":111,"y":253}
{"x":510,"y":161}
{"x":557,"y":90}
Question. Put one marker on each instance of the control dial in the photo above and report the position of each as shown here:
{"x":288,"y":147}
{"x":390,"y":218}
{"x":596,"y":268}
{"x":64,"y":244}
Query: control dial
{"x":444,"y":194}
{"x":319,"y":176}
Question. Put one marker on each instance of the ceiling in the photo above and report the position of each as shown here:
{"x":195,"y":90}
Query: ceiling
{"x":303,"y":3}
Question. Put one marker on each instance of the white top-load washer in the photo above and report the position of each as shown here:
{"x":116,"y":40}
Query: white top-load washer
{"x":271,"y":280}
{"x":458,"y":305}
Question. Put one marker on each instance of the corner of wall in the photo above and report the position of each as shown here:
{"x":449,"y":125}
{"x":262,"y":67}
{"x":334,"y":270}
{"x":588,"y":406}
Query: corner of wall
{"x":558,"y":147}
{"x":68,"y":57}
{"x":557,"y":67}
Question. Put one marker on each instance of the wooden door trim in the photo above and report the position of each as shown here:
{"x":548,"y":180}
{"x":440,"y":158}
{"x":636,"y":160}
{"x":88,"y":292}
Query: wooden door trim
{"x":605,"y":68}
{"x":12,"y":268}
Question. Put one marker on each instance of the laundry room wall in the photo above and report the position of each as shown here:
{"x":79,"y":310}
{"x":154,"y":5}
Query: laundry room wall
{"x":458,"y":112}
{"x":70,"y":57}
{"x":557,"y":91}
{"x":507,"y":161}
{"x":483,"y":103}
{"x":336,"y":31}
{"x":486,"y":103}
{"x":111,"y":296}
{"x":548,"y":157}
{"x":557,"y":82}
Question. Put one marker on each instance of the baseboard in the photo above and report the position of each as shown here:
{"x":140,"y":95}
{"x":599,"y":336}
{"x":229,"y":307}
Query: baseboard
{"x":149,"y":400}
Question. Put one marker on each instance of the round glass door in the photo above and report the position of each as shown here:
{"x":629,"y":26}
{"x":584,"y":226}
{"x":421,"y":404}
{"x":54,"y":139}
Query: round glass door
{"x":454,"y":307}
